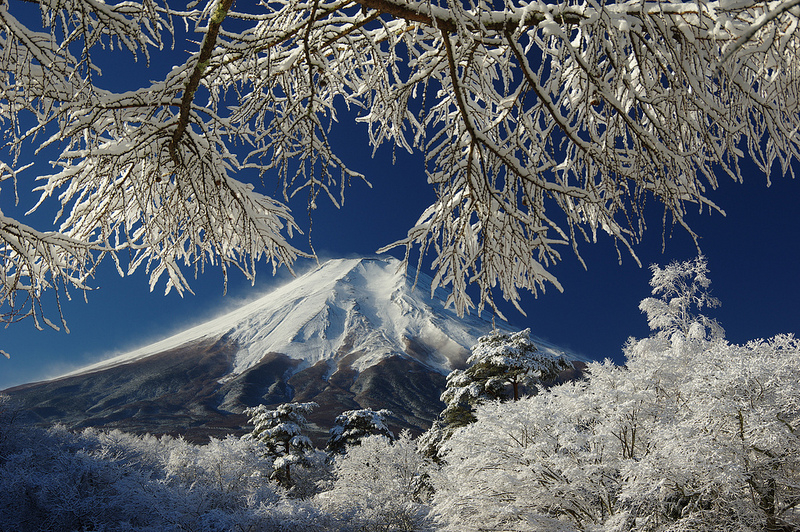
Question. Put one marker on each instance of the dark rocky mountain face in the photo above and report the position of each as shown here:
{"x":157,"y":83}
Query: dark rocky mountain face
{"x":179,"y":392}
{"x":174,"y":392}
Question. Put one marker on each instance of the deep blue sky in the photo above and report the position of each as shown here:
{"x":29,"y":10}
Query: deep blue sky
{"x":753,"y":255}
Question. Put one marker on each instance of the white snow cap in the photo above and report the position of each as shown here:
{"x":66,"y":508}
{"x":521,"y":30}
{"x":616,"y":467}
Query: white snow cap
{"x":344,"y":306}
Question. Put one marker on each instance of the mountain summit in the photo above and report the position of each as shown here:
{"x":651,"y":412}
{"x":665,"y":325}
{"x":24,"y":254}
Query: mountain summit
{"x":365,"y":306}
{"x":352,"y":333}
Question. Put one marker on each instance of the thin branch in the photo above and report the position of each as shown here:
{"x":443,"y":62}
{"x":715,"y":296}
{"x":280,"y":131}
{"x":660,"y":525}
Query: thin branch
{"x":209,"y":42}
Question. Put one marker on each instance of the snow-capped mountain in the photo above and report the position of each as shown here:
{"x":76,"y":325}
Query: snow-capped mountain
{"x":351,"y":333}
{"x":343,"y":306}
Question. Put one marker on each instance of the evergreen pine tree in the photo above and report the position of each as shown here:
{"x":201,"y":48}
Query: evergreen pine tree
{"x":351,"y":426}
{"x":281,"y":432}
{"x":500,"y":365}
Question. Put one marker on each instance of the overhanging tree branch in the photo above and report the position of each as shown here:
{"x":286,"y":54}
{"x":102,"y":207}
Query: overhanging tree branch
{"x":541,"y":124}
{"x":206,"y":50}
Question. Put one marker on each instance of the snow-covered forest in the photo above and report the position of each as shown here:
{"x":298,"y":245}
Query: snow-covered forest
{"x":692,"y":433}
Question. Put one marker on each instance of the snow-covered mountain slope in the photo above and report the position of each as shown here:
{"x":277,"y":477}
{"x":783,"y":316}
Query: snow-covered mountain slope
{"x":345,"y":306}
{"x":354,"y":333}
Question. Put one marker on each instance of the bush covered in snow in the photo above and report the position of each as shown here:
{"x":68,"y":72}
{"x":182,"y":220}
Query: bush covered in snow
{"x":380,"y":486}
{"x":694,"y":433}
{"x":55,"y":480}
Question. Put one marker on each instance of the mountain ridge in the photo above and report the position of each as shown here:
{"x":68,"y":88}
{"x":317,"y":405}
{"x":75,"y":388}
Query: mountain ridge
{"x":352,"y":333}
{"x":328,"y":280}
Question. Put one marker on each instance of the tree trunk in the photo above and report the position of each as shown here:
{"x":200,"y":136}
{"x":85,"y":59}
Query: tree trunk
{"x":767,"y":505}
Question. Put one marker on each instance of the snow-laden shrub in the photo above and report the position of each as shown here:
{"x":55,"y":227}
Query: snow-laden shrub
{"x":315,"y":475}
{"x":55,"y":480}
{"x":694,"y":433}
{"x":379,"y":487}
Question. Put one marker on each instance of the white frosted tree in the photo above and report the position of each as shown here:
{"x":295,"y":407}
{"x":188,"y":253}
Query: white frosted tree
{"x":693,"y":433}
{"x":281,"y":432}
{"x":379,"y":486}
{"x":540,"y":124}
{"x":682,"y":290}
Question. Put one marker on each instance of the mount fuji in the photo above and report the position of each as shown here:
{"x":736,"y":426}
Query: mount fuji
{"x":353,"y":333}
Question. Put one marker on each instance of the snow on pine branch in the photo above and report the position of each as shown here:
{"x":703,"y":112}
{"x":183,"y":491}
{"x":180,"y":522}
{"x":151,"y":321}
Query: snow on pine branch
{"x":518,"y":353}
{"x":541,"y":124}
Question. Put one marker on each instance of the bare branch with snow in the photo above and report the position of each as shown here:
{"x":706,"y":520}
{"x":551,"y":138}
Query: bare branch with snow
{"x":540,"y":123}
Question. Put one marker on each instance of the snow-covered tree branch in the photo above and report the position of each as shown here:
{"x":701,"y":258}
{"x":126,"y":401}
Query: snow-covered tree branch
{"x":540,"y":123}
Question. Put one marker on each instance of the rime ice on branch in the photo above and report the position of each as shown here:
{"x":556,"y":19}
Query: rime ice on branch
{"x":541,"y":123}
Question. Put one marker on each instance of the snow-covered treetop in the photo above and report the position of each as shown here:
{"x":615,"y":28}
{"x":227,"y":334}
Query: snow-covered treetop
{"x":541,"y":123}
{"x":284,"y":422}
{"x":281,"y":431}
{"x":294,"y":412}
{"x":683,"y":290}
{"x":349,"y":419}
{"x":351,"y":426}
{"x":515,"y":352}
{"x":498,"y":359}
